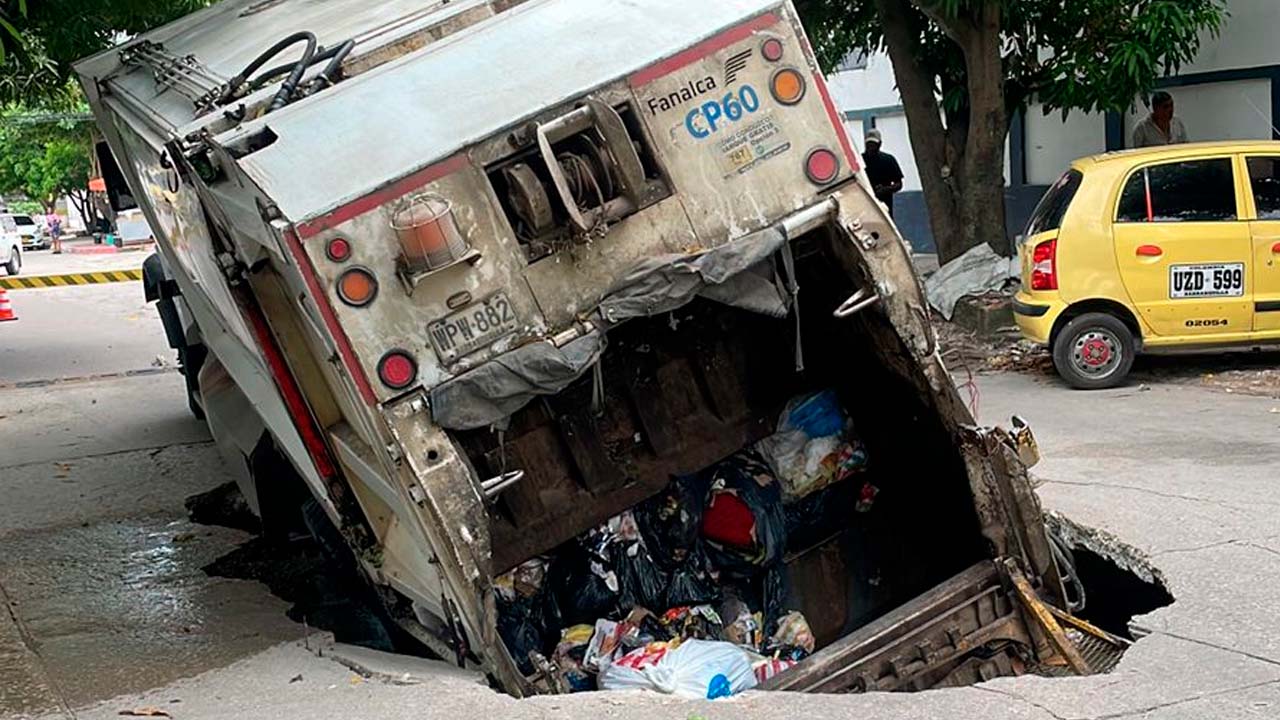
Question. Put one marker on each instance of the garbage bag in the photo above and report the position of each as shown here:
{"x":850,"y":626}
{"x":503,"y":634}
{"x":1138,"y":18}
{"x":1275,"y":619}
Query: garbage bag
{"x":640,"y":581}
{"x":792,"y":632}
{"x":528,"y":624}
{"x":585,"y":585}
{"x":744,"y":524}
{"x":742,"y":627}
{"x":816,"y":415}
{"x":605,"y":641}
{"x":694,"y":669}
{"x":813,"y":447}
{"x":670,"y":523}
{"x":700,"y":622}
{"x":570,"y":656}
{"x":690,"y":583}
{"x":767,"y":667}
{"x":525,"y":580}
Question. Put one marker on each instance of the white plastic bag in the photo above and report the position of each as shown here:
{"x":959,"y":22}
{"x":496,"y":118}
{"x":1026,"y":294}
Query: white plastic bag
{"x":697,"y":669}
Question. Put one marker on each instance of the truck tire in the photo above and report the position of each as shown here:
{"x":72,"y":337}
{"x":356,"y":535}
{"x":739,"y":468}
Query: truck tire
{"x":14,"y":266}
{"x":1094,"y":351}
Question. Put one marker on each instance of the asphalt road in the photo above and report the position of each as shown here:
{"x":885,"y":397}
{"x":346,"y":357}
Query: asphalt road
{"x":101,"y":574}
{"x":109,"y":608}
{"x":81,"y":331}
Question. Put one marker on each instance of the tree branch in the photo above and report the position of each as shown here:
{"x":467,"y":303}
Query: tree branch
{"x":957,"y":28}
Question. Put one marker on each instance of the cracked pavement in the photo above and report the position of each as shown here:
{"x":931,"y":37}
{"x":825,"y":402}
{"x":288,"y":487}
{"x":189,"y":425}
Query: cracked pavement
{"x":1182,"y":473}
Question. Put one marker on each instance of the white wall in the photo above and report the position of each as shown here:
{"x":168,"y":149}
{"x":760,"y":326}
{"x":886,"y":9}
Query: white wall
{"x":1248,"y":38}
{"x":1219,"y":111}
{"x":1239,"y":110}
{"x":896,"y":142}
{"x":872,"y":87}
{"x":1051,"y":143}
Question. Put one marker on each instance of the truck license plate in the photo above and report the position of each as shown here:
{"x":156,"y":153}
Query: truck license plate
{"x":473,"y":327}
{"x":1207,"y":280}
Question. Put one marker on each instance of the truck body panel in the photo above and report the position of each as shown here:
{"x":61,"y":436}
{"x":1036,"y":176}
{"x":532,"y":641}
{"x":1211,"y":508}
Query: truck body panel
{"x":651,"y":231}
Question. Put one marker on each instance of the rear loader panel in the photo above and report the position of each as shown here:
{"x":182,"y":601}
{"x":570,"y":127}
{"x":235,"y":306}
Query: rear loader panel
{"x":511,"y":273}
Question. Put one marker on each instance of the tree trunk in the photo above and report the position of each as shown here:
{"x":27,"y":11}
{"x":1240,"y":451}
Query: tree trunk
{"x":929,"y":141}
{"x":85,"y":207}
{"x":982,"y":206}
{"x":961,"y":164}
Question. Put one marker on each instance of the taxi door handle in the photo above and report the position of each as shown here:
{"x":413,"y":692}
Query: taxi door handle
{"x":1151,"y":251}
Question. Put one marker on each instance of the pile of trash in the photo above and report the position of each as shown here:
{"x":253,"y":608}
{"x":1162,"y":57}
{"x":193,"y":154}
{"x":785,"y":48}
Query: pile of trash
{"x":686,"y":593}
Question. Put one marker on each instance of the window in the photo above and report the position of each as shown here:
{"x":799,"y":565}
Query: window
{"x":23,"y":220}
{"x":1264,"y":176}
{"x":1049,"y":211}
{"x":1192,"y":191}
{"x":855,"y":60}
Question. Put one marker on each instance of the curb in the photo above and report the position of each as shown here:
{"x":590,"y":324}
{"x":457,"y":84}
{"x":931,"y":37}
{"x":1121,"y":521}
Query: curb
{"x":28,"y":282}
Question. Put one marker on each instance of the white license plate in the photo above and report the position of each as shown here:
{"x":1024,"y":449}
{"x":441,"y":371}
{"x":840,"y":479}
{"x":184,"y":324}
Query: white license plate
{"x":1208,"y":280}
{"x":476,"y":326}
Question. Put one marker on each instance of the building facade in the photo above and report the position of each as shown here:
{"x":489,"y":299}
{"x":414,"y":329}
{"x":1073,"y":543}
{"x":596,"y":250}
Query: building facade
{"x":1230,"y":92}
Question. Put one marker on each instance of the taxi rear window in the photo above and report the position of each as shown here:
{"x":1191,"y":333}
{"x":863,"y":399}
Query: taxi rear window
{"x":1053,"y":206}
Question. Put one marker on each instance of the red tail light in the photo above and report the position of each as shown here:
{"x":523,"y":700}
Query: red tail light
{"x":397,"y":370}
{"x":821,"y":166}
{"x":1044,"y":266}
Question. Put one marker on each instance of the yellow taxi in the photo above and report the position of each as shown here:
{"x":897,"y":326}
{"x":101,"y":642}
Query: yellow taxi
{"x":1155,"y":249}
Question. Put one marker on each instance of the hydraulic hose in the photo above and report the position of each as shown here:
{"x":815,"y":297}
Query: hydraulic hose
{"x":272,"y":73}
{"x":290,"y":84}
{"x":336,"y":54}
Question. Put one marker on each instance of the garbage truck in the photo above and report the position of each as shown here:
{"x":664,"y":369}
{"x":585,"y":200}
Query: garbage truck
{"x":542,"y":302}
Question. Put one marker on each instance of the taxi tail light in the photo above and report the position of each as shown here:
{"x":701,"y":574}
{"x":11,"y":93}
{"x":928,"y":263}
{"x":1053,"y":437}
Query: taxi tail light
{"x":1044,"y":266}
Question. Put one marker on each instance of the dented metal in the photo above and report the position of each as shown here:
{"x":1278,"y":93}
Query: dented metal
{"x":573,"y":142}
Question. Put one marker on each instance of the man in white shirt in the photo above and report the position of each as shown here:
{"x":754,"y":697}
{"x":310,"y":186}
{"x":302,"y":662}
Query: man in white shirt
{"x":1160,"y":127}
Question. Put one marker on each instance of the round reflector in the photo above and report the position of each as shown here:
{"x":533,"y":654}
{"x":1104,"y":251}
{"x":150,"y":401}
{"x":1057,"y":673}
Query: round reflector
{"x":397,"y":369}
{"x":787,"y":86}
{"x":338,"y":249}
{"x":772,"y":49}
{"x":821,"y":166}
{"x":357,"y":287}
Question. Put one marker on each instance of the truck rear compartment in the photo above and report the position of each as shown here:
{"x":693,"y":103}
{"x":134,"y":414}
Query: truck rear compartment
{"x":678,"y":393}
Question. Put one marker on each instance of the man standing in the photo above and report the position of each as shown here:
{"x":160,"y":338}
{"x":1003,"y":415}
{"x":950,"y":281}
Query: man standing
{"x":1160,"y":127}
{"x":882,"y":170}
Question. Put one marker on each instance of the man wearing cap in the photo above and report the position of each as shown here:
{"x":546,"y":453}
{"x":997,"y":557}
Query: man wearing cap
{"x":882,"y":170}
{"x":1160,"y":127}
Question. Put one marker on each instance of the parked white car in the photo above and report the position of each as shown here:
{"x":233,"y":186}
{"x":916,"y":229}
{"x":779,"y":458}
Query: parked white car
{"x":10,"y":244}
{"x":35,"y":236}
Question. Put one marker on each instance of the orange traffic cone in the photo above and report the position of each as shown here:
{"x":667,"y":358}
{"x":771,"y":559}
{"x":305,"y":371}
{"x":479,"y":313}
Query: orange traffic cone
{"x":6,"y":310}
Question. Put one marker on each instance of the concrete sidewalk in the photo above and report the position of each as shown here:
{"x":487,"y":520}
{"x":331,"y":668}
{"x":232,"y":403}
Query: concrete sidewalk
{"x":1182,"y":473}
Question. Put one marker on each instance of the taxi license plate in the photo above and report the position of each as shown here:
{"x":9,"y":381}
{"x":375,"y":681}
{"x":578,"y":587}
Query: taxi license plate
{"x":476,"y":326}
{"x":1206,"y":280}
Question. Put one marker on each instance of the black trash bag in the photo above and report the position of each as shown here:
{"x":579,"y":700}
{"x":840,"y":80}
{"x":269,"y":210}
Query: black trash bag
{"x":746,"y":475}
{"x":528,"y":624}
{"x":584,"y":582}
{"x":809,"y":515}
{"x":775,"y":590}
{"x":670,"y":522}
{"x":690,"y":583}
{"x":640,"y":581}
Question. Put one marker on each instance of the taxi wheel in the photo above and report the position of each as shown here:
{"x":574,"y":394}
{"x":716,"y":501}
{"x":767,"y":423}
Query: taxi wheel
{"x":1094,"y":351}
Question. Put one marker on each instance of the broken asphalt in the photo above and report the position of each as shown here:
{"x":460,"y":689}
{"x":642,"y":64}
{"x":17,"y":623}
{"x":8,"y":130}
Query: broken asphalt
{"x":1183,"y":473}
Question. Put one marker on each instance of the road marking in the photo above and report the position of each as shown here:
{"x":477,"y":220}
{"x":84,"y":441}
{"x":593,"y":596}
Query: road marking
{"x":28,"y":282}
